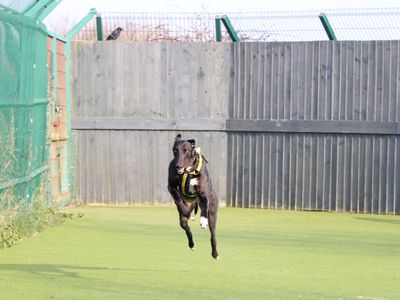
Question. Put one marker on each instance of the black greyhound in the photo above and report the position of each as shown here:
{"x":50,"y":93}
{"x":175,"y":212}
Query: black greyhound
{"x":190,"y":186}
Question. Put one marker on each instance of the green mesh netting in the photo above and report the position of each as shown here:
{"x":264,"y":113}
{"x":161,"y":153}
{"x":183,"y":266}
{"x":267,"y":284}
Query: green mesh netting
{"x":18,"y":5}
{"x":23,"y":106}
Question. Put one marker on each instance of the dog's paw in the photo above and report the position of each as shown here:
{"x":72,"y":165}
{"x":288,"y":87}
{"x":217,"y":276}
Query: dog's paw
{"x":203,"y":222}
{"x":215,"y":256}
{"x":193,"y":248}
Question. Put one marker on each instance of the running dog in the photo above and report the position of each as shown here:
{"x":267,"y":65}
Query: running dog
{"x":190,"y":186}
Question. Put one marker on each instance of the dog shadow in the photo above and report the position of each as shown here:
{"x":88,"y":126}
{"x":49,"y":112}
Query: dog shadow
{"x":71,"y":271}
{"x":379,"y":220}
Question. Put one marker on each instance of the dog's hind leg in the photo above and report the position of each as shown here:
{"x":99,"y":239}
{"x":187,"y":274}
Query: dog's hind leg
{"x":196,"y":206}
{"x":183,"y":220}
{"x":212,"y":219}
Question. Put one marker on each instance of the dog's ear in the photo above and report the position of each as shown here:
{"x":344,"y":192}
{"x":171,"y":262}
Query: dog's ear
{"x":193,"y":142}
{"x":178,"y":137}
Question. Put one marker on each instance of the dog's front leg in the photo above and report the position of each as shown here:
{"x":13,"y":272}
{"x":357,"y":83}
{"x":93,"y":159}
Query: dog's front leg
{"x":203,"y":203}
{"x":184,"y":211}
{"x":179,"y":202}
{"x":209,"y":206}
{"x":183,"y":221}
{"x":204,"y":190}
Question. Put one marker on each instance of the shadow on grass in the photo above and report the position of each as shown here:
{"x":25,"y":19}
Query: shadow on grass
{"x":379,"y":220}
{"x":71,"y":271}
{"x":45,"y":269}
{"x":98,"y":281}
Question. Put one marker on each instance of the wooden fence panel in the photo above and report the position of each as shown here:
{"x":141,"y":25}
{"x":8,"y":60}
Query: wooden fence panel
{"x":305,"y":125}
{"x":326,"y":131}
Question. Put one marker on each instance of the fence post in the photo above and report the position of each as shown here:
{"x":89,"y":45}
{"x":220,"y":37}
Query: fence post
{"x":327,"y":26}
{"x":229,"y":27}
{"x":36,"y":8}
{"x":48,"y":9}
{"x":82,"y":23}
{"x":99,"y":27}
{"x":218,"y":29}
{"x":42,"y":8}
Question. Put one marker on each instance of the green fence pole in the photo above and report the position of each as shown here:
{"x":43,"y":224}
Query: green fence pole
{"x":79,"y":26}
{"x":327,"y":26}
{"x":68,"y":180}
{"x":48,"y":9}
{"x":34,"y":10}
{"x":99,"y":27}
{"x":229,"y":27}
{"x":218,"y":29}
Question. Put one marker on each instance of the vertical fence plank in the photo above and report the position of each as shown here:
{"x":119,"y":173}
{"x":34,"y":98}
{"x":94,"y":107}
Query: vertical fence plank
{"x":396,"y":193}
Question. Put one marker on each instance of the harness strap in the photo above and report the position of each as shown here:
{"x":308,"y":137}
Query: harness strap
{"x":189,"y":175}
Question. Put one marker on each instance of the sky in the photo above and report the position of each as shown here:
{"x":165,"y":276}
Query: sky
{"x":71,"y":11}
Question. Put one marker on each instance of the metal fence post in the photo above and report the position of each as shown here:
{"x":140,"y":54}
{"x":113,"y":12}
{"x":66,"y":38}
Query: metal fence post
{"x":327,"y":26}
{"x":82,"y":23}
{"x":48,"y":9}
{"x":218,"y":29}
{"x":229,"y":27}
{"x":99,"y":27}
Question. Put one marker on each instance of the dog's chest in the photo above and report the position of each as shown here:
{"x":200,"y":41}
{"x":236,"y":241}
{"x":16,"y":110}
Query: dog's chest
{"x":187,"y":187}
{"x":192,"y":183}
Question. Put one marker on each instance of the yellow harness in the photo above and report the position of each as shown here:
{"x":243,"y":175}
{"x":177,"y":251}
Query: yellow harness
{"x":185,"y":180}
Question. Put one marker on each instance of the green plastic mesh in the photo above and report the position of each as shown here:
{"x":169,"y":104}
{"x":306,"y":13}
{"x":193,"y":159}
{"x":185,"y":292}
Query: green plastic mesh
{"x":23,"y":106}
{"x":18,"y":5}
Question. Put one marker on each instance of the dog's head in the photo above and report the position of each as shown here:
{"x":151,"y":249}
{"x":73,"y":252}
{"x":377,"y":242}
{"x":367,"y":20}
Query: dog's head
{"x":184,"y":153}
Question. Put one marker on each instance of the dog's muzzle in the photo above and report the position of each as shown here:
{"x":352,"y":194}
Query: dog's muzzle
{"x":180,"y":171}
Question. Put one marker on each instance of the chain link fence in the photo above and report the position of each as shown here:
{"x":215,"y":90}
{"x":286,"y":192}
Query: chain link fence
{"x":356,"y":24}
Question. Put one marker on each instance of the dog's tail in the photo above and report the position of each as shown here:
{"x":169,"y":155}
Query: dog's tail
{"x":196,"y":207}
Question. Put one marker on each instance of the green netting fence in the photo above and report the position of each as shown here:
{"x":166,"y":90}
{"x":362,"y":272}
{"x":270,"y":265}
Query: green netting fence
{"x":24,"y":100}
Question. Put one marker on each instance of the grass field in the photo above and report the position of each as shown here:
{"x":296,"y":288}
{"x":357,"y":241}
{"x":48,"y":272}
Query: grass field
{"x":141,"y":253}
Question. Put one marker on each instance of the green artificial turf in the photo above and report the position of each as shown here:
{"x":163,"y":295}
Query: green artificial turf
{"x":142,"y":253}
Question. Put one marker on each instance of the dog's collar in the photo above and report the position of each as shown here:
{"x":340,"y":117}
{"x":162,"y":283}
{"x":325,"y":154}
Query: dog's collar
{"x":191,"y":170}
{"x":197,"y":159}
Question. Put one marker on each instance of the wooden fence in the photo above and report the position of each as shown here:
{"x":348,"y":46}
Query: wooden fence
{"x":311,"y":125}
